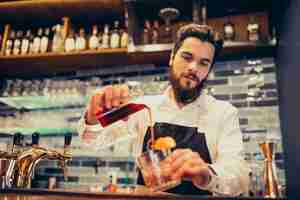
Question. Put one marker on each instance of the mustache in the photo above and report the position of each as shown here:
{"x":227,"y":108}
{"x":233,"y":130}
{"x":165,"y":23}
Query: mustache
{"x":191,"y":76}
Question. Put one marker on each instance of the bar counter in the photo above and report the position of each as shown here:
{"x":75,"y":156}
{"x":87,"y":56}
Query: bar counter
{"x":24,"y":194}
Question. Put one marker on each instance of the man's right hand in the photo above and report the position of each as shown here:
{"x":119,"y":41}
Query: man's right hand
{"x":105,"y":99}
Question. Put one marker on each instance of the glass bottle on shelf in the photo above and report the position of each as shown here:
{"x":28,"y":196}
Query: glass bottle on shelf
{"x":253,"y":30}
{"x":100,"y":38}
{"x":37,"y":41}
{"x":16,"y":88}
{"x":31,"y":37}
{"x":94,"y":40}
{"x":124,"y":37}
{"x":155,"y":32}
{"x":80,"y":43}
{"x":9,"y":43}
{"x":25,"y":43}
{"x":229,"y":31}
{"x":146,"y":32}
{"x":204,"y":13}
{"x":0,"y":40}
{"x":34,"y":89}
{"x":105,"y":37}
{"x":45,"y":41}
{"x":58,"y":42}
{"x":17,"y":43}
{"x":273,"y":37}
{"x":115,"y":36}
{"x":26,"y":88}
{"x":70,"y":42}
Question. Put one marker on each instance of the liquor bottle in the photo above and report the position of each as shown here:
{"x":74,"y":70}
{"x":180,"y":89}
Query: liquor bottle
{"x":80,"y":43}
{"x":17,"y":43}
{"x":115,"y":36}
{"x":70,"y":42}
{"x":0,"y":40}
{"x":253,"y":30}
{"x":146,"y":32}
{"x":31,"y":37}
{"x":45,"y":41}
{"x":273,"y":38}
{"x":94,"y":40}
{"x":204,"y":13}
{"x":9,"y":43}
{"x":196,"y":14}
{"x":58,"y":42}
{"x":155,"y":32}
{"x":25,"y":43}
{"x":109,"y":117}
{"x":229,"y":31}
{"x":37,"y":41}
{"x":105,"y":37}
{"x":100,"y":38}
{"x":124,"y":38}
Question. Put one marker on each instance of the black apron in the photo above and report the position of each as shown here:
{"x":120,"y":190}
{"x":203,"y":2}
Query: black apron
{"x":185,"y":137}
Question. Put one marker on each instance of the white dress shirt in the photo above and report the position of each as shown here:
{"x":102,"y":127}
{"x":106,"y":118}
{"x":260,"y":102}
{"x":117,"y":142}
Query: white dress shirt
{"x":218,"y":120}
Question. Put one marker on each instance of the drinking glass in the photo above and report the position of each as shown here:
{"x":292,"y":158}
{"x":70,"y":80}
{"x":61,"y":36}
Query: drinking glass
{"x":152,"y":165}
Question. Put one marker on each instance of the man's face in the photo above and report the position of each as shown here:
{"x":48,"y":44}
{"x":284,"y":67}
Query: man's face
{"x":190,"y":67}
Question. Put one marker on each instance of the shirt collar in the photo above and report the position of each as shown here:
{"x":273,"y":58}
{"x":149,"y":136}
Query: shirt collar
{"x":169,"y":103}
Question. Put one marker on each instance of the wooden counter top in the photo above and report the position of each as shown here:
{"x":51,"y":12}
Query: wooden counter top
{"x":24,"y":194}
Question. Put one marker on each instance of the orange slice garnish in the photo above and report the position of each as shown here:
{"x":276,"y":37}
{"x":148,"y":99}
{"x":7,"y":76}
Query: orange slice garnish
{"x":164,"y":143}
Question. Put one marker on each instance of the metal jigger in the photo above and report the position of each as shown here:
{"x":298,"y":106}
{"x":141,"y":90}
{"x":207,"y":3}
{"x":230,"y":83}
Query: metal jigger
{"x":270,"y":178}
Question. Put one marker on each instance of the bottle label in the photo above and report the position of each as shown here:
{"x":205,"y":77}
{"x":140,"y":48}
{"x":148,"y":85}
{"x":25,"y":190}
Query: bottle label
{"x":70,"y":45}
{"x":94,"y":42}
{"x":115,"y":41}
{"x":105,"y":41}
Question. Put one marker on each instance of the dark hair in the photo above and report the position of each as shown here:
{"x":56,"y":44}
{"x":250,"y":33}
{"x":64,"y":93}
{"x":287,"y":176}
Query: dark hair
{"x":202,"y":32}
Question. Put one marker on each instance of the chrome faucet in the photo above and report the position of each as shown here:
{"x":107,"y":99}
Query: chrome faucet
{"x":20,"y":172}
{"x":17,"y":148}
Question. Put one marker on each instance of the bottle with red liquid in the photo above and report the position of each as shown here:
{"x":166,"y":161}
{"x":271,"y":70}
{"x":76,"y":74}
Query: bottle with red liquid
{"x":117,"y":126}
{"x":117,"y":114}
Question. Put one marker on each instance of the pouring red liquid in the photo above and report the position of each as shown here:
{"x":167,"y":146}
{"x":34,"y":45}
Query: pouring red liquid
{"x":114,"y":115}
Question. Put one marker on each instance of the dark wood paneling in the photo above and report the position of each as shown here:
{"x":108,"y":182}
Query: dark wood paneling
{"x":42,"y":12}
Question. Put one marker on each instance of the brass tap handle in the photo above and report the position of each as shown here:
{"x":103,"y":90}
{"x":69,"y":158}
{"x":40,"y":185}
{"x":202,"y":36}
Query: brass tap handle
{"x":68,"y":139}
{"x":35,"y":139}
{"x":67,"y":155}
{"x":18,"y":139}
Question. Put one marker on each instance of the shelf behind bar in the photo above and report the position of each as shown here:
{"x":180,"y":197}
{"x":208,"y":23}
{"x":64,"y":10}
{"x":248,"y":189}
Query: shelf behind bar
{"x":59,"y":63}
{"x":13,"y":11}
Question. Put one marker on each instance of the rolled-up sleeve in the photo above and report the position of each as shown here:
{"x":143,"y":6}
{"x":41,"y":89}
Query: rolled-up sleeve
{"x":231,"y":170}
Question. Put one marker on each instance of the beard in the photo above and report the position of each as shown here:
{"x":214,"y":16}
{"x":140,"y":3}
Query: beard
{"x":186,"y":94}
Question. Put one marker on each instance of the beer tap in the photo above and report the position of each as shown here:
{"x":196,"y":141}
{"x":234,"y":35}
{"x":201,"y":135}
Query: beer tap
{"x":67,"y":153}
{"x":18,"y":139}
{"x":28,"y":159}
{"x":35,"y":138}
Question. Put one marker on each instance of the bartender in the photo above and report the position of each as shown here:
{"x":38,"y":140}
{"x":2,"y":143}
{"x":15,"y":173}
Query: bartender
{"x":209,"y":154}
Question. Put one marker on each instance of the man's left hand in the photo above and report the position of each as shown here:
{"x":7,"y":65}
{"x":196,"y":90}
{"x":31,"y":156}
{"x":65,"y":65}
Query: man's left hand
{"x":186,"y":164}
